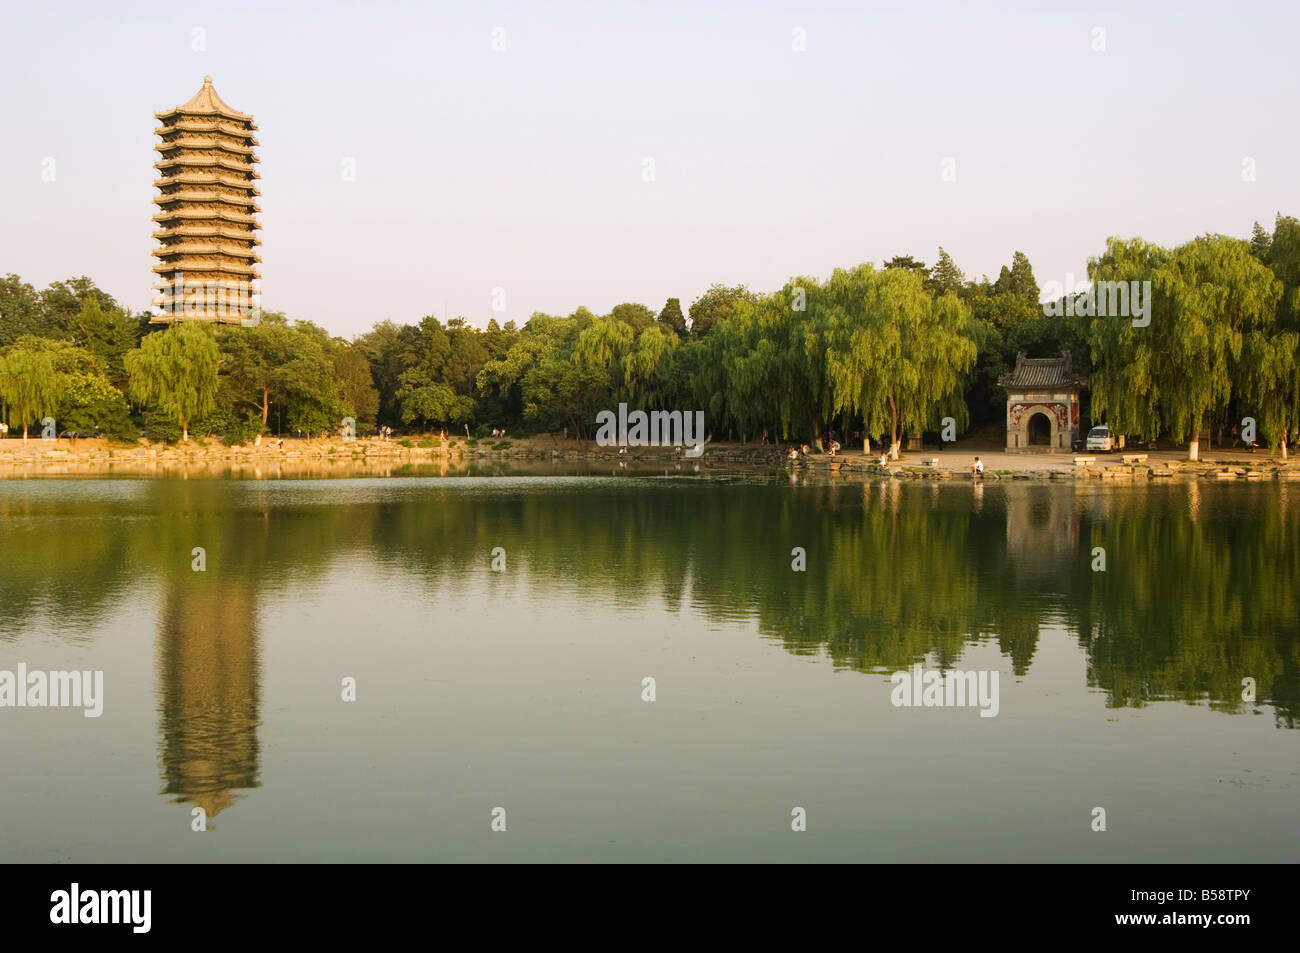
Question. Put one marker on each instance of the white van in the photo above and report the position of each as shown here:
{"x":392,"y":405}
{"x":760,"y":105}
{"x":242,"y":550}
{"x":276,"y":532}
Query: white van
{"x":1099,"y":438}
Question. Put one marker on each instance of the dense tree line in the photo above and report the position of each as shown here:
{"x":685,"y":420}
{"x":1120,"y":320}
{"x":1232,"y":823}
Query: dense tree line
{"x":882,"y":351}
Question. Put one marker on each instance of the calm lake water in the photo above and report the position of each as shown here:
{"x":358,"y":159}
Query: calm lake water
{"x":522,"y":689}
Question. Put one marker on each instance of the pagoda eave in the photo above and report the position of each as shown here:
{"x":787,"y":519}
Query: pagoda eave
{"x":206,"y":317}
{"x":203,"y":163}
{"x":178,"y":197}
{"x":174,"y":252}
{"x":177,"y":145}
{"x":199,"y":178}
{"x":208,"y":125}
{"x":205,"y":214}
{"x":206,"y":231}
{"x":190,"y":267}
{"x":181,"y":111}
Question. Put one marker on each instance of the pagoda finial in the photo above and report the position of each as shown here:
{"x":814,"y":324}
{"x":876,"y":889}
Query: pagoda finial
{"x":207,"y":81}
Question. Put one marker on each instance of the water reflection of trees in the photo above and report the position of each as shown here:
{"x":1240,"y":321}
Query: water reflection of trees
{"x":1188,"y":608}
{"x":1197,"y":595}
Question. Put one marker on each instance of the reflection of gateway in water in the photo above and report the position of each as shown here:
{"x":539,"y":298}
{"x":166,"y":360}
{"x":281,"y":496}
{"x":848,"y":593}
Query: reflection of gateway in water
{"x":210,"y":694}
{"x":1042,"y":530}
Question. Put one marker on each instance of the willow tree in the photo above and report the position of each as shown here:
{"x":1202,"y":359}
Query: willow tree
{"x":896,"y":355}
{"x":1271,"y":361}
{"x":708,"y":364}
{"x":644,"y":364}
{"x":600,"y":349}
{"x":745,"y":359}
{"x":803,"y":373}
{"x":1179,"y":369}
{"x":176,"y":372}
{"x":28,"y":382}
{"x":1126,"y":357}
{"x":769,"y":363}
{"x":1270,"y":383}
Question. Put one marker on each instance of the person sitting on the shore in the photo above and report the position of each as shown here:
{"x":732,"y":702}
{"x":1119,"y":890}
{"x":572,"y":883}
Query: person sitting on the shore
{"x":794,"y":453}
{"x":835,"y":447}
{"x":884,"y":460}
{"x":977,"y":469}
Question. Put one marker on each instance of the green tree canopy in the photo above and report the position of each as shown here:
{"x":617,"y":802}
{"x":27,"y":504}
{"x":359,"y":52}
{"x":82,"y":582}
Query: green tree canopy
{"x":945,"y":276}
{"x":672,"y":318}
{"x":358,"y":389}
{"x":176,"y":371}
{"x":1018,"y":280}
{"x":20,"y":311}
{"x":897,"y":355}
{"x":29,"y":384}
{"x":715,"y":306}
{"x":907,"y":263}
{"x":1178,"y":370}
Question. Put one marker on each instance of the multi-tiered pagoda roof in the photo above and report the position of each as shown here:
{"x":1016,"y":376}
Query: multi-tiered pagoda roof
{"x":206,"y":203}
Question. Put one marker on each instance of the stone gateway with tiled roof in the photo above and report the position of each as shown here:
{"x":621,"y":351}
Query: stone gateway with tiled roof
{"x":207,"y":268}
{"x":1042,"y":404}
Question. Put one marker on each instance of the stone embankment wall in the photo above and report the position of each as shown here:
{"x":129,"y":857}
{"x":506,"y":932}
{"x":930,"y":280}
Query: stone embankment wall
{"x":371,"y":455}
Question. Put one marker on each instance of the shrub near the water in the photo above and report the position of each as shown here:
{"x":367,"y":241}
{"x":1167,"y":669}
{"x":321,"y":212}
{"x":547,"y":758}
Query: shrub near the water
{"x":90,"y":403}
{"x":235,"y":430}
{"x":162,"y":429}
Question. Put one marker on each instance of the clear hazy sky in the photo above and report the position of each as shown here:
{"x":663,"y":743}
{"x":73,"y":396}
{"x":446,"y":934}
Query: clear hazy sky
{"x":524,"y":169}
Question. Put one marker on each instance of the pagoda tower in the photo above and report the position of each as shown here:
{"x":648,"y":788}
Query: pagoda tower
{"x":207,"y":263}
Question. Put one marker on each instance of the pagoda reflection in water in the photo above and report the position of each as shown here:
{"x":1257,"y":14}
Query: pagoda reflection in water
{"x":209,"y":695}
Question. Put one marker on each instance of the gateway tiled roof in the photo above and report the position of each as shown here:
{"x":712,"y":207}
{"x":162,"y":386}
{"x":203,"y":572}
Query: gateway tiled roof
{"x":1042,"y":373}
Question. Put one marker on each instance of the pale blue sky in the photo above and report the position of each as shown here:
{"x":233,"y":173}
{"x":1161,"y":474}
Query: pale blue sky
{"x":523,"y":169}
